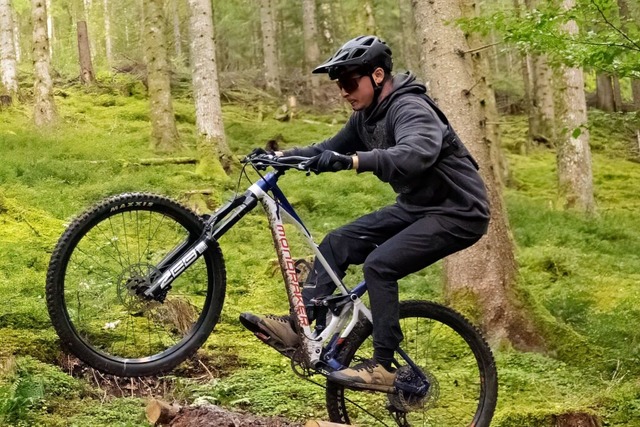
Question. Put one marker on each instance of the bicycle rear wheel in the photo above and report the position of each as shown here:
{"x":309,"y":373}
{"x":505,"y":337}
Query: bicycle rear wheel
{"x":449,"y":350}
{"x":98,"y":269}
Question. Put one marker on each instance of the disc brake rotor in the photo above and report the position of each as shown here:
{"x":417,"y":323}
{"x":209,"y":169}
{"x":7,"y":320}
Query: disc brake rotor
{"x":133,"y":281}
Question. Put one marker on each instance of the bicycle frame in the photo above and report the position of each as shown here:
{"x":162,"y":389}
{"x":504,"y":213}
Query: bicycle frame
{"x":277,"y":209}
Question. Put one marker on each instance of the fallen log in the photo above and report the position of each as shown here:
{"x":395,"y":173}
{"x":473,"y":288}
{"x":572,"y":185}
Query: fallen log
{"x":147,"y":162}
{"x":165,"y":161}
{"x":159,"y":412}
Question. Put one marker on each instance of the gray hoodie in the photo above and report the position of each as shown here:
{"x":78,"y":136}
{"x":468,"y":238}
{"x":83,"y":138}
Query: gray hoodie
{"x":400,"y":140}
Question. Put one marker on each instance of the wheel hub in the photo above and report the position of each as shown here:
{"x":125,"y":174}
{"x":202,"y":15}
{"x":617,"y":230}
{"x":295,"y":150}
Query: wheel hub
{"x":132,"y":283}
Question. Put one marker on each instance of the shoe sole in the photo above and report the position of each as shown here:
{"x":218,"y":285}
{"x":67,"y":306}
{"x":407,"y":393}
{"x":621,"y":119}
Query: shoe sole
{"x":363,"y":386}
{"x":251,"y":322}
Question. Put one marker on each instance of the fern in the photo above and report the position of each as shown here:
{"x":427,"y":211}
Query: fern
{"x":19,"y":397}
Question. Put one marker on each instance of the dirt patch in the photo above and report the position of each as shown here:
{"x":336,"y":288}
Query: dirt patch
{"x":111,"y":385}
{"x":214,"y":416}
{"x":577,"y":419}
{"x":201,"y":367}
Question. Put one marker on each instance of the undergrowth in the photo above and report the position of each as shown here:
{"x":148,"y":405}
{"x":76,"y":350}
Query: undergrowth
{"x":582,"y":272}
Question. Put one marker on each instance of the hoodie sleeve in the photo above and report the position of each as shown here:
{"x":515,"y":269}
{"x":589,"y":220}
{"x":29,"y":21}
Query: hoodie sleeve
{"x":345,"y":141}
{"x":418,"y":133}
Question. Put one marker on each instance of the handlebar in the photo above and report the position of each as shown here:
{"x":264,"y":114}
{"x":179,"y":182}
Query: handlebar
{"x":262,"y":161}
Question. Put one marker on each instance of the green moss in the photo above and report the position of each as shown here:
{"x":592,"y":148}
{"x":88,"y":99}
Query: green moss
{"x":123,"y":412}
{"x":577,"y":275}
{"x":39,"y":344}
{"x":466,"y":302}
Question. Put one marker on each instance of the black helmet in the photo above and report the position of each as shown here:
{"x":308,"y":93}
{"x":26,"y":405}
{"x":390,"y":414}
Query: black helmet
{"x":364,"y":51}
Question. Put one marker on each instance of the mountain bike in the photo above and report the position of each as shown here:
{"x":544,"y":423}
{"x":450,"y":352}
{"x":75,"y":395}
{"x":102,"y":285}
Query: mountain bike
{"x":136,"y":285}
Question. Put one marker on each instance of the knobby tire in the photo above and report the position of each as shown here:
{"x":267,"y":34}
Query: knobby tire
{"x":93,"y":278}
{"x":448,"y":348}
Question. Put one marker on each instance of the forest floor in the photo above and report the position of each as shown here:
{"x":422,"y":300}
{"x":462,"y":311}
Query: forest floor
{"x":579,"y":273}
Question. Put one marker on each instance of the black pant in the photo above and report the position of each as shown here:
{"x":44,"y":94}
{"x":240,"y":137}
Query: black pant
{"x":392,"y":243}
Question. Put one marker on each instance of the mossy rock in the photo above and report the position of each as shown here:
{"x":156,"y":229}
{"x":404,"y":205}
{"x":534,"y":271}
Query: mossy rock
{"x":41,"y":345}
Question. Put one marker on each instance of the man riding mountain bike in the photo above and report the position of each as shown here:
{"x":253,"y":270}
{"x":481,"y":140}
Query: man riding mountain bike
{"x":397,"y":133}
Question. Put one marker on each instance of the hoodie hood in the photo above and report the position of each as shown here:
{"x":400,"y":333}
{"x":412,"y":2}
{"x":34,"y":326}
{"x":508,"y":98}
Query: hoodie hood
{"x":401,"y":84}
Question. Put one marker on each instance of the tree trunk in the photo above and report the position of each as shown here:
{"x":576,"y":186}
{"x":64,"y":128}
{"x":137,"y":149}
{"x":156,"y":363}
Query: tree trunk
{"x":8,"y":63}
{"x":86,"y":8}
{"x":408,"y":44}
{"x":544,"y":130}
{"x":623,"y":6}
{"x":108,"y":44}
{"x":84,"y":54}
{"x":526,"y":69}
{"x":312,"y":53}
{"x":164,"y":134}
{"x":49,"y":28}
{"x":370,"y":27}
{"x":604,"y":92}
{"x":635,"y":90}
{"x":542,"y":120}
{"x":44,"y":112}
{"x":529,"y":108}
{"x":486,"y":272}
{"x":177,"y":35}
{"x":16,"y":37}
{"x":212,"y":147}
{"x":617,"y":93}
{"x":327,"y":28}
{"x":575,"y":177}
{"x":270,"y":51}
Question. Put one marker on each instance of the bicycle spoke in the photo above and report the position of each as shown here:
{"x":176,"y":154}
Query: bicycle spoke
{"x":116,"y":267}
{"x":459,"y":376}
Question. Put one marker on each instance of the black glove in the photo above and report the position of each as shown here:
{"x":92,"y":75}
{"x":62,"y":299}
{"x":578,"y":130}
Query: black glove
{"x":329,"y":161}
{"x":259,"y":152}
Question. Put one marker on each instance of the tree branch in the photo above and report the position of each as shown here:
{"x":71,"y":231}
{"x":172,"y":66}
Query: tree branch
{"x":618,"y":30}
{"x":477,"y":49}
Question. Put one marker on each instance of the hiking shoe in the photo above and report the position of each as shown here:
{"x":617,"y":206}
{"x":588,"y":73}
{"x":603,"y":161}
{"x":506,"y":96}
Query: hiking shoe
{"x":276,"y":331}
{"x":368,"y":375}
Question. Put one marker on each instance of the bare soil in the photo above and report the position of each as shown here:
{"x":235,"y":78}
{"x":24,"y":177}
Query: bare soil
{"x":214,"y":416}
{"x":198,"y":367}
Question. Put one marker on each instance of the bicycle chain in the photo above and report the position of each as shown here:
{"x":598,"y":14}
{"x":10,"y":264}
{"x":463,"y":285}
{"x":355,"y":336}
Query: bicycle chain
{"x":307,"y":373}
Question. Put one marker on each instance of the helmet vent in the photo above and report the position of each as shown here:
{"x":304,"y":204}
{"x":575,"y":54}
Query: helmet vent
{"x":358,"y":53}
{"x":368,"y":41}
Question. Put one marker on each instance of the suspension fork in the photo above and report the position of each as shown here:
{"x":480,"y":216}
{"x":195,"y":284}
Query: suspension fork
{"x":179,"y":259}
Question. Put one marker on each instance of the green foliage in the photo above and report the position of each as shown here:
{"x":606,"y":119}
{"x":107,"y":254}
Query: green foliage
{"x":28,"y":387}
{"x":21,"y":394}
{"x":606,"y":41}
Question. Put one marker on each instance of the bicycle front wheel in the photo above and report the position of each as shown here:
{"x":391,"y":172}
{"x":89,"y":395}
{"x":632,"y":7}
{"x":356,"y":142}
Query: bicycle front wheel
{"x":101,"y":264}
{"x":452,"y":354}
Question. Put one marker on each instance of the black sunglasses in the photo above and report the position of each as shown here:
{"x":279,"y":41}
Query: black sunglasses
{"x":348,"y":83}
